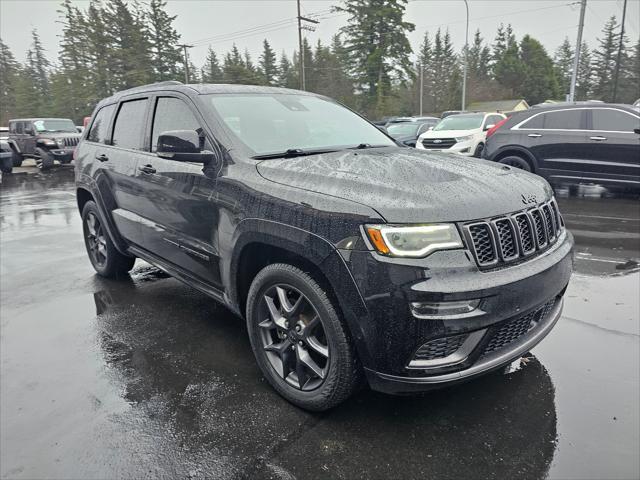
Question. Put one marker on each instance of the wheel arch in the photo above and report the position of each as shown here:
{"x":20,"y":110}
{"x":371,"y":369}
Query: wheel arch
{"x":84,"y":194}
{"x":517,"y":151}
{"x":272,"y":242}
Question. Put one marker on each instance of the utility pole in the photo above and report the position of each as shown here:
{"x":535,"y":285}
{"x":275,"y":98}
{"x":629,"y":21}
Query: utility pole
{"x":620,"y":45}
{"x":466,"y":55}
{"x":300,"y":52}
{"x":576,"y":58}
{"x":186,"y":61}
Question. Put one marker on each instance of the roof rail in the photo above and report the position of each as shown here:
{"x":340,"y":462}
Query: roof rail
{"x":157,"y":84}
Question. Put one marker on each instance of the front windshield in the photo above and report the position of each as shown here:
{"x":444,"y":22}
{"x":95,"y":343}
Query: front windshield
{"x":402,"y":129}
{"x":273,"y":123}
{"x":459,"y":122}
{"x":55,"y":125}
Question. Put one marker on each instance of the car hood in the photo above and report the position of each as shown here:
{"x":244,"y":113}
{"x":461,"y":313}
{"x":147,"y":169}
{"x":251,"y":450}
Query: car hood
{"x":405,"y":185}
{"x":55,"y":135}
{"x":449,"y":133}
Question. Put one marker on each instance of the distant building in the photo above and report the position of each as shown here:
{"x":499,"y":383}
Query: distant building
{"x":500,"y":106}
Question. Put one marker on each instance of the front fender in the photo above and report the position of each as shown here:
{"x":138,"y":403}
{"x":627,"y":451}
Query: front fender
{"x":316,"y":250}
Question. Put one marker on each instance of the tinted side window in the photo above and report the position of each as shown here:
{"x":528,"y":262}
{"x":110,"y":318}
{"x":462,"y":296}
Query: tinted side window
{"x":100,"y":127}
{"x":130,"y":124}
{"x":563,"y":120}
{"x":613,"y":120}
{"x":171,"y":114}
{"x":535,"y":122}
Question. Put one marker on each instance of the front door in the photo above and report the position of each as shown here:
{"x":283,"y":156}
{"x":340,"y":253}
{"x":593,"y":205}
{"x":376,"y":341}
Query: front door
{"x":181,"y":215}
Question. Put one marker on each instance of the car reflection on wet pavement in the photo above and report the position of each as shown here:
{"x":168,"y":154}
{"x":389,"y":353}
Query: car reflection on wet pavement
{"x":148,"y":378}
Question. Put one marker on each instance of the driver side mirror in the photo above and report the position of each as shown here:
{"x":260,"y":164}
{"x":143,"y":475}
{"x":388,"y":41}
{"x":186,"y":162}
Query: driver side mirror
{"x":488,"y":127}
{"x":636,"y":130}
{"x":183,"y":146}
{"x":29,"y":131}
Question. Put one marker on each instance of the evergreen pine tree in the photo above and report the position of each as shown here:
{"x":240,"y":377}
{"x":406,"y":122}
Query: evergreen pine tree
{"x":38,"y":70}
{"x":605,"y":61}
{"x":211,"y":72}
{"x":563,"y":61}
{"x":268,"y":66}
{"x":376,"y":39}
{"x":166,"y":58}
{"x":584,"y":80}
{"x":9,"y":78}
{"x":540,"y":82}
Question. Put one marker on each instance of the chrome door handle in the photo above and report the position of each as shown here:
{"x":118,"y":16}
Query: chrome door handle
{"x":598,"y":138}
{"x":147,"y":169}
{"x":534,"y":135}
{"x":102,"y":157}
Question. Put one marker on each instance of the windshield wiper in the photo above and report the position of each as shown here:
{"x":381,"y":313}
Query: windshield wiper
{"x":291,"y":153}
{"x":362,"y":146}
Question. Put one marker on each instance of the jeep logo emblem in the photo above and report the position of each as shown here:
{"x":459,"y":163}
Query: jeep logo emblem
{"x":528,"y":199}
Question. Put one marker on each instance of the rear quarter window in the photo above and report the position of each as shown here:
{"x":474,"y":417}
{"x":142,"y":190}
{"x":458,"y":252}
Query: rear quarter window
{"x":99,"y":131}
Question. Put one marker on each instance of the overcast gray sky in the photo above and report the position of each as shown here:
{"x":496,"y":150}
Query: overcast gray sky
{"x":247,"y":22}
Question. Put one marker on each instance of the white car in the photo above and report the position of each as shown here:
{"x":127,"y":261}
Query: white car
{"x":463,"y":133}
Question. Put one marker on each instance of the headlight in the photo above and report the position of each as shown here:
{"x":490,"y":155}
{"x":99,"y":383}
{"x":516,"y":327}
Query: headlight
{"x":413,"y":241}
{"x":49,"y":143}
{"x":464,"y":139}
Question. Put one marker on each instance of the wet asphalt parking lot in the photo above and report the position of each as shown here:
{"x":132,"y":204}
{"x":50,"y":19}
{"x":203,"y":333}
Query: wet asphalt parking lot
{"x":147,"y":377}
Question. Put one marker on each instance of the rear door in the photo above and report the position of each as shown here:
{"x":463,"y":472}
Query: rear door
{"x":556,"y":138}
{"x":117,"y":161}
{"x":179,"y":204}
{"x":614,"y":154}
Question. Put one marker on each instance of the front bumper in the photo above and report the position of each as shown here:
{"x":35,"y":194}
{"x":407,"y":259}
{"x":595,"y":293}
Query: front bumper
{"x":62,"y":154}
{"x":392,"y":335}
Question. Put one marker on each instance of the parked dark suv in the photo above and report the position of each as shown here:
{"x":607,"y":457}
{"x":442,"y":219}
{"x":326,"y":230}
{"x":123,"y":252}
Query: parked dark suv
{"x":586,"y":142}
{"x":348,"y":256}
{"x":45,"y":139}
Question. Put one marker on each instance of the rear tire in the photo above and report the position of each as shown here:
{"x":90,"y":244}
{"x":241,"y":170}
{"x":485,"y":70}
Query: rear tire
{"x":516,"y":162}
{"x":106,"y":259}
{"x":315,"y":366}
{"x":6,"y":167}
{"x":45,"y":162}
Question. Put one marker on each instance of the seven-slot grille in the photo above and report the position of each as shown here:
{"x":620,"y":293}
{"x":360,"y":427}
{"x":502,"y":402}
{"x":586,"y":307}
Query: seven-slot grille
{"x":69,"y":141}
{"x":511,"y":237}
{"x":438,"y":142}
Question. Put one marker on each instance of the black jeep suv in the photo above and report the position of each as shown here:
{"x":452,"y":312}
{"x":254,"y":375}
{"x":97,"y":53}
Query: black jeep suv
{"x":582,"y":142}
{"x":45,"y":139}
{"x":349,"y":257}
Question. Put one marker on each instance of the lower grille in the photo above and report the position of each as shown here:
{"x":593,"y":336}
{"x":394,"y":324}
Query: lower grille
{"x":512,"y":330}
{"x":440,"y":347}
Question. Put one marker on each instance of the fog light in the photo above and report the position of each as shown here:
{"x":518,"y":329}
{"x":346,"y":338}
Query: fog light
{"x":438,"y":310}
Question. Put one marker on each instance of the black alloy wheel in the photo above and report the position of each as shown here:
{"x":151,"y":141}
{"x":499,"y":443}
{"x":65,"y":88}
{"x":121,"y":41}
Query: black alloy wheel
{"x":300,"y":342}
{"x":95,"y":240}
{"x":105,"y":257}
{"x":293,"y":338}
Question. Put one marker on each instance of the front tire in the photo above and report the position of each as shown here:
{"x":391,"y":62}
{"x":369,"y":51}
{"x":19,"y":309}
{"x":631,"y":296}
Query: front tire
{"x":16,"y":159}
{"x":516,"y":162}
{"x":478,"y":151}
{"x":106,"y":259}
{"x":298,"y":339}
{"x":45,"y":162}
